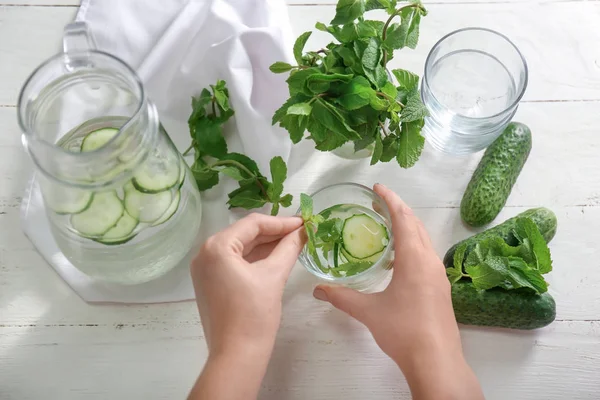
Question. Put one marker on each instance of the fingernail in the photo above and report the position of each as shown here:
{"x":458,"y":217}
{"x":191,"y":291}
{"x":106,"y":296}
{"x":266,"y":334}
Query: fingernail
{"x":320,"y":294}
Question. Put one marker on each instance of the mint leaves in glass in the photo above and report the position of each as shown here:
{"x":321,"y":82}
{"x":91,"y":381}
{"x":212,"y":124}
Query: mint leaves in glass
{"x":343,"y":93}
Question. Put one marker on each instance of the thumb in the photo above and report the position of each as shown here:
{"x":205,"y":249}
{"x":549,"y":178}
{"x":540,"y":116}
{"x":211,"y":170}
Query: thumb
{"x":348,"y":300}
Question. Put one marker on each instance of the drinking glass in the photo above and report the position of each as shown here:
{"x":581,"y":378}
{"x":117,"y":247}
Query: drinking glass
{"x":120,"y":200}
{"x":474,"y":79}
{"x":363,"y":200}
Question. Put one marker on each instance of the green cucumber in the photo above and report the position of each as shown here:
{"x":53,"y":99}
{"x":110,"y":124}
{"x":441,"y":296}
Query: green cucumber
{"x":63,"y":200}
{"x":544,"y":219}
{"x":372,"y":259}
{"x":146,"y":207}
{"x":495,"y":175}
{"x":497,"y":307}
{"x":121,"y":232}
{"x":170,"y":211}
{"x":96,"y":139}
{"x":100,"y":216}
{"x":363,"y":237}
{"x":158,"y":173}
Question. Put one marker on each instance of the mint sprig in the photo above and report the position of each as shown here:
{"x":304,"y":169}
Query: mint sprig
{"x":494,"y":263}
{"x":343,"y":93}
{"x":210,"y":111}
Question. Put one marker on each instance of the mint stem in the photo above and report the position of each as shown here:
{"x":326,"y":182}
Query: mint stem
{"x":385,"y":132}
{"x":387,"y":25}
{"x":185,"y":153}
{"x":243,"y":168}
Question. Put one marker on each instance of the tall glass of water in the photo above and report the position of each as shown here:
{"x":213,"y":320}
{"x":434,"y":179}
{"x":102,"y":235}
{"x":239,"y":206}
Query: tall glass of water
{"x":474,"y":79}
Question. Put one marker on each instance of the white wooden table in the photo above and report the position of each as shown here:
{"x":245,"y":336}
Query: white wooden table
{"x":55,"y":346}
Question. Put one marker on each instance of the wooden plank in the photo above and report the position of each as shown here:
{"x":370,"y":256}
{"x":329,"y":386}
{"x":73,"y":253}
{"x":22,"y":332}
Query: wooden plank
{"x":326,"y":356}
{"x":23,"y":48}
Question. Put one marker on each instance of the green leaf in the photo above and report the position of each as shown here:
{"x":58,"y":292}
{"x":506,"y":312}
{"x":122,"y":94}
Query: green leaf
{"x":406,"y":79}
{"x":297,"y":81}
{"x":409,"y":27}
{"x":306,"y":206}
{"x":390,"y":90}
{"x":414,"y":109}
{"x":248,"y":198}
{"x":371,"y":55}
{"x":352,"y":268}
{"x":232,"y":172}
{"x":246,"y":161}
{"x":390,"y":148}
{"x":330,"y":230}
{"x":377,"y":4}
{"x":350,"y":59}
{"x":300,"y":109}
{"x":310,"y":229}
{"x":411,"y":144}
{"x":347,"y":11}
{"x":456,"y":273}
{"x":377,"y":151}
{"x":355,"y":94}
{"x":488,"y":274}
{"x":282,"y":111}
{"x":330,"y":61}
{"x":299,"y":47}
{"x":278,"y":176}
{"x":523,"y":276}
{"x":330,"y":117}
{"x":296,"y":126}
{"x":527,"y":229}
{"x":280,"y":67}
{"x":320,"y":83}
{"x":209,"y":137}
{"x":286,"y":200}
{"x":205,"y":177}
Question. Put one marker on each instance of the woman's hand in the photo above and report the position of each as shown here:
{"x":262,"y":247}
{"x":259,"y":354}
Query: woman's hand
{"x":239,"y":276}
{"x":412,"y":320}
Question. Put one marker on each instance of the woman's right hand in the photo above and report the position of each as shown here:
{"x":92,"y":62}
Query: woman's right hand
{"x":412,"y":320}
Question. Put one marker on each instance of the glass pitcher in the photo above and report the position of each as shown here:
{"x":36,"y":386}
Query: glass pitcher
{"x":122,"y":204}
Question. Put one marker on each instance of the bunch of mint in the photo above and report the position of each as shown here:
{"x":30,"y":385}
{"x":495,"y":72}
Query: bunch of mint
{"x":494,"y":263}
{"x":210,"y":111}
{"x":344,"y":93}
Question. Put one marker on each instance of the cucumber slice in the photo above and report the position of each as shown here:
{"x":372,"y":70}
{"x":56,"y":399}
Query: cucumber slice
{"x":170,"y":211}
{"x":363,"y":237}
{"x":182,"y":169}
{"x":158,"y":173}
{"x":147,"y":207}
{"x":97,"y":139}
{"x":121,"y":232}
{"x":372,"y":259}
{"x":68,"y":201}
{"x":102,"y":214}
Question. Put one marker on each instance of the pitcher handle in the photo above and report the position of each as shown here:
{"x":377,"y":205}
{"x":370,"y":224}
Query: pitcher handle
{"x":78,"y":37}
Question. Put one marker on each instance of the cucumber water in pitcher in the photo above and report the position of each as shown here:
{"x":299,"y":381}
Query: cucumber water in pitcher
{"x":122,"y":204}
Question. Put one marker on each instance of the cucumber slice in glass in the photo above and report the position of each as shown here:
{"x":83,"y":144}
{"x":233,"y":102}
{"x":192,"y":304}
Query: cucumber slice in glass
{"x":96,"y":139}
{"x":372,"y":259}
{"x":101,"y":215}
{"x":158,"y":173}
{"x":170,"y":211}
{"x":63,"y":200}
{"x":146,"y":207}
{"x":363,"y":237}
{"x":121,"y":232}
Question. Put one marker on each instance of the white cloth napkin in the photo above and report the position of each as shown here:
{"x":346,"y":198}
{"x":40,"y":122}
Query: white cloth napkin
{"x":179,"y":47}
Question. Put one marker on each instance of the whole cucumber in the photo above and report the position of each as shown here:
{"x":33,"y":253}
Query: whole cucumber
{"x":495,"y":175}
{"x":542,"y":217}
{"x":513,"y":309}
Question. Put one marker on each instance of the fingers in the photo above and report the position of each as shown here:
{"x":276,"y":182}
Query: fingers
{"x":404,"y":223}
{"x":251,"y":230}
{"x":285,"y":254}
{"x":350,"y":301}
{"x":261,"y":251}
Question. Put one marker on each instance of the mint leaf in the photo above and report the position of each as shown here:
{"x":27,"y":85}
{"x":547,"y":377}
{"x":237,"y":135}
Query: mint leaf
{"x":523,"y":276}
{"x":278,"y":176}
{"x":411,"y":144}
{"x":355,"y":94}
{"x":248,"y":198}
{"x":209,"y":138}
{"x":526,"y":229}
{"x":390,"y":148}
{"x":296,"y":125}
{"x":414,"y":109}
{"x":330,"y":117}
{"x":306,"y":206}
{"x":406,"y":79}
{"x":377,"y":151}
{"x":371,"y":55}
{"x":286,"y":200}
{"x":330,"y":230}
{"x":320,"y":83}
{"x":347,"y":11}
{"x":204,"y":176}
{"x":297,"y":81}
{"x":300,"y":109}
{"x":379,"y":4}
{"x":246,"y":161}
{"x":221,"y":95}
{"x":280,"y":67}
{"x":488,"y":274}
{"x":299,"y":47}
{"x":282,"y":111}
{"x":232,"y":172}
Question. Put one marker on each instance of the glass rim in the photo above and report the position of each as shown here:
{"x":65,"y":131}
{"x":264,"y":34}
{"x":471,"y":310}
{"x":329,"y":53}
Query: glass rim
{"x":502,"y":36}
{"x":387,"y":250}
{"x":57,"y":57}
